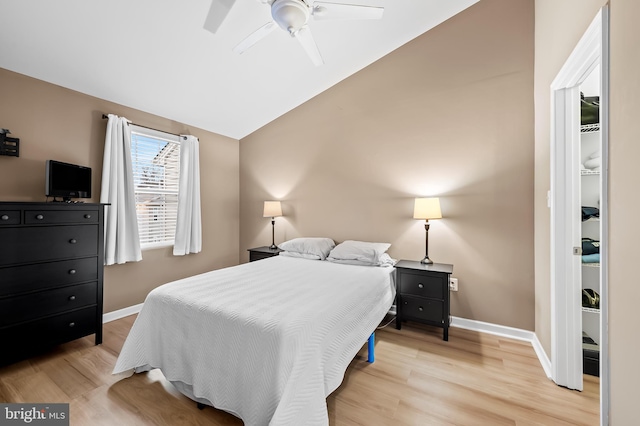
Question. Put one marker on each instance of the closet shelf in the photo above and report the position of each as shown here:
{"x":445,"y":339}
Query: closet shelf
{"x":591,"y":310}
{"x":592,"y":219}
{"x":591,"y":265}
{"x":588,"y":128}
{"x":585,"y":172}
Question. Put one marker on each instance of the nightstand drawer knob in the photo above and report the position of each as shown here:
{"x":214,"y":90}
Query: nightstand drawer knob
{"x":420,"y":308}
{"x":420,"y":285}
{"x":87,"y":216}
{"x":5,"y":217}
{"x":72,"y":324}
{"x":39,"y":217}
{"x":72,"y":271}
{"x":73,"y":241}
{"x":72,"y":298}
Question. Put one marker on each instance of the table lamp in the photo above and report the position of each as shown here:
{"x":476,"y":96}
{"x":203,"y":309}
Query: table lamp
{"x":272,"y":209}
{"x":427,"y":208}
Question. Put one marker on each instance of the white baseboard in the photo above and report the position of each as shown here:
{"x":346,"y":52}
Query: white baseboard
{"x":511,"y":333}
{"x":121,"y":313}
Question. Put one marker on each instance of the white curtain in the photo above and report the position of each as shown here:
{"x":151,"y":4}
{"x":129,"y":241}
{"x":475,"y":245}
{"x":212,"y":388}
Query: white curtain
{"x":189,"y":225}
{"x":121,"y":239}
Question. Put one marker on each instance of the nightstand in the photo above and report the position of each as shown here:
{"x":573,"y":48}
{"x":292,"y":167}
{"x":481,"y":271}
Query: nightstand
{"x":423,"y":294}
{"x":262,"y":253}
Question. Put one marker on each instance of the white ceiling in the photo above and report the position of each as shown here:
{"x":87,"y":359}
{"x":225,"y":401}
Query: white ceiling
{"x":155,"y":56}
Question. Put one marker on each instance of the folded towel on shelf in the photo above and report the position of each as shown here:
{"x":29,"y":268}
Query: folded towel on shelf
{"x":591,"y":258}
{"x":589,"y":212}
{"x":590,"y":246}
{"x":592,"y":163}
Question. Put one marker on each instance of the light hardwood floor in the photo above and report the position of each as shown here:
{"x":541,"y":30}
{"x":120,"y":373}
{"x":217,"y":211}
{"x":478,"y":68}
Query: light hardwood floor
{"x":417,"y":379}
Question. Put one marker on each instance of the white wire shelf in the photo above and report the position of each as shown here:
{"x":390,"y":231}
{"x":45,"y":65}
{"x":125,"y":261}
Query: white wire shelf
{"x":591,"y":310}
{"x":586,"y":172}
{"x":588,"y":128}
{"x":591,"y":265}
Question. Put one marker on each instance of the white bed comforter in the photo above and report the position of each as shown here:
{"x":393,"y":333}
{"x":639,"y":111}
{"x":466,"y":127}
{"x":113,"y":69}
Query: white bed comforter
{"x":267,"y":341}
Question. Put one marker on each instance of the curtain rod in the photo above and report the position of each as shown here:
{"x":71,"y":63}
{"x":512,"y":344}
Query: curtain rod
{"x":105,"y":116}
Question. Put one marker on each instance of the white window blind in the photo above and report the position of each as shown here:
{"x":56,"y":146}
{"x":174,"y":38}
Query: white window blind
{"x":156,"y":171}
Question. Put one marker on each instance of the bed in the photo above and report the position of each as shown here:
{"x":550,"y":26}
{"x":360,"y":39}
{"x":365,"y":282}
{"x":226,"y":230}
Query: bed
{"x":267,"y":341}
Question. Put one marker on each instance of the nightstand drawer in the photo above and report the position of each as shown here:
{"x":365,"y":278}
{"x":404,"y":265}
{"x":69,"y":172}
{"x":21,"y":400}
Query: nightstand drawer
{"x":253,"y":256}
{"x":264,"y":252}
{"x":423,"y":285}
{"x":425,"y":310}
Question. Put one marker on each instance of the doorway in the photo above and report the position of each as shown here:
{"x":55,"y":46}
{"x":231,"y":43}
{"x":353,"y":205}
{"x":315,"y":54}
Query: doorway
{"x":591,"y":53}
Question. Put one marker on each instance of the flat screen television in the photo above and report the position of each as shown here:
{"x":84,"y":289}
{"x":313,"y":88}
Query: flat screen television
{"x":67,"y":180}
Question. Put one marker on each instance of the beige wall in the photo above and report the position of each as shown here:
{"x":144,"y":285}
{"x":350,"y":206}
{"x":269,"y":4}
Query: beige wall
{"x":448,"y":114}
{"x":624,"y":149}
{"x":57,"y":123}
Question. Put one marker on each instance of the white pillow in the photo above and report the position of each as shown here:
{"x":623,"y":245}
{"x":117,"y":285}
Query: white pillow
{"x":385,"y":261}
{"x":319,"y":247}
{"x":364,"y":253}
{"x":299,"y":255}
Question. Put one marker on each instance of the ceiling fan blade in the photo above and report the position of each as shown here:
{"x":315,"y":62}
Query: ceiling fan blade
{"x":308,"y":43}
{"x":322,"y":10}
{"x":255,"y":37}
{"x":218,"y":11}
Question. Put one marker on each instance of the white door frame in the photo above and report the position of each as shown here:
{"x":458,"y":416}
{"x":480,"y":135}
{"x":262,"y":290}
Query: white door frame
{"x":566,"y":313}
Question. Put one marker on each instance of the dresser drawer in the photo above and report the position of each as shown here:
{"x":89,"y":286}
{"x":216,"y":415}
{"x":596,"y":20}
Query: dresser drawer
{"x":9,"y":217}
{"x":424,"y":310}
{"x":42,"y":243}
{"x":43,"y":303}
{"x":50,"y":217}
{"x":26,"y":338}
{"x":29,"y":278}
{"x":424,"y":284}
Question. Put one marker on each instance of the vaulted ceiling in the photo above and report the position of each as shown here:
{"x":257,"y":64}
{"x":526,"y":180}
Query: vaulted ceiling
{"x":155,"y":55}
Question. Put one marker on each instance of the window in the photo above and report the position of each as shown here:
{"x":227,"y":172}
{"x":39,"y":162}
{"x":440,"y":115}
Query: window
{"x":155,"y":159}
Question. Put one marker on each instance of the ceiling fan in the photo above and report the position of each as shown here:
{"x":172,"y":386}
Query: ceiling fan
{"x":292,"y":16}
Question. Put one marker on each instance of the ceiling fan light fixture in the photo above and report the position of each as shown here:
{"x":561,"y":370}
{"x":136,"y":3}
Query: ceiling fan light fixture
{"x":290,"y":15}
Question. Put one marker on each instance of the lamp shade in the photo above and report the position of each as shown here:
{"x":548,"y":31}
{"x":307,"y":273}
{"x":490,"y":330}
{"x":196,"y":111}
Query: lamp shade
{"x":427,"y":208}
{"x":272,"y":209}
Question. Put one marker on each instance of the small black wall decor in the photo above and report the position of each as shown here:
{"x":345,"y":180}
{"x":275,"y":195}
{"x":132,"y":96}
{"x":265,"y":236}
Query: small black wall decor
{"x":9,"y":146}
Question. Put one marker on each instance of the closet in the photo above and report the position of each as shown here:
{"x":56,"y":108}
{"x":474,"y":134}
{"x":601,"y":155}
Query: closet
{"x":590,"y":168}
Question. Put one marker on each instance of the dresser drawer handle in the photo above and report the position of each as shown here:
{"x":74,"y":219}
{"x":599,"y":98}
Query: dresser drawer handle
{"x":72,"y":271}
{"x":87,"y":216}
{"x":39,"y":217}
{"x":420,"y":308}
{"x":5,"y":217}
{"x":420,"y":285}
{"x":72,"y":298}
{"x":72,"y":324}
{"x":73,"y":241}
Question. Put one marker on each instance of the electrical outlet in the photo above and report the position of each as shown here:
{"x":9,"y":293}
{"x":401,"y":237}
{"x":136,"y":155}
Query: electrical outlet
{"x":453,"y":284}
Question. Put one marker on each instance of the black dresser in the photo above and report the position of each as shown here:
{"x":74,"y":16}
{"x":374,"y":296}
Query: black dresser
{"x":51,"y":271}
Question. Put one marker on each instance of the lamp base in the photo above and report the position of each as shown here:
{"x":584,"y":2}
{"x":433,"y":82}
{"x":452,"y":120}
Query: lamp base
{"x":426,"y":261}
{"x":273,"y":247}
